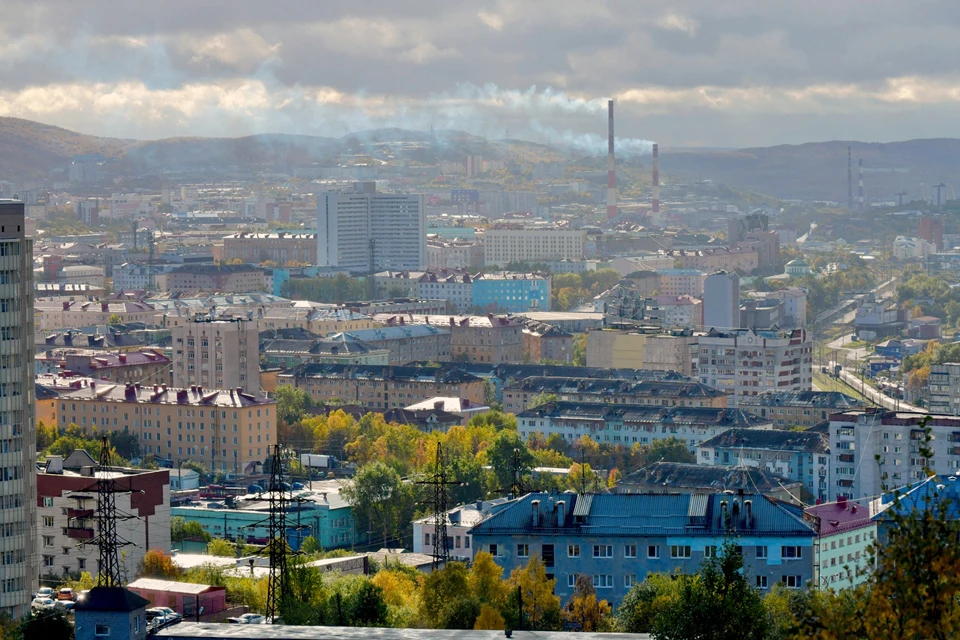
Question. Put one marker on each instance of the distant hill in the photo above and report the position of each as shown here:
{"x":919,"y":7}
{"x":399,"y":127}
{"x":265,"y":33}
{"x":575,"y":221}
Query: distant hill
{"x":818,"y":170}
{"x":30,"y":149}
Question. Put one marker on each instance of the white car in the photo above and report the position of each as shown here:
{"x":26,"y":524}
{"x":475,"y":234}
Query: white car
{"x":39,"y":604}
{"x":45,"y":592}
{"x":247,"y":618}
{"x":169,"y":613}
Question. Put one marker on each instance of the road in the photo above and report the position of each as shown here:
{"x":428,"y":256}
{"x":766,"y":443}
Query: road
{"x":884,"y":400}
{"x":854,"y":354}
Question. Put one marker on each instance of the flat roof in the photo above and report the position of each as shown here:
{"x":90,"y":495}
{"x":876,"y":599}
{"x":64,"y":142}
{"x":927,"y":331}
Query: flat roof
{"x":284,"y":632}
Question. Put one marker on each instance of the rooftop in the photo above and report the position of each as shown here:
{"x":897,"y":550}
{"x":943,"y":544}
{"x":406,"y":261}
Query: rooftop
{"x":446,"y":375}
{"x":162,"y":394}
{"x":615,"y":387}
{"x":843,"y":515}
{"x":673,"y":476}
{"x":808,"y":441}
{"x":171,"y":586}
{"x":818,"y":399}
{"x":190,"y":630}
{"x":644,"y":414}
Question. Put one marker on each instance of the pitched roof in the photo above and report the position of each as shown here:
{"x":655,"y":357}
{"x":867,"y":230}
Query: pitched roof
{"x":704,"y":477}
{"x":843,"y":515}
{"x":616,"y":387}
{"x":809,"y":441}
{"x":111,"y":599}
{"x":818,"y":399}
{"x":153,"y":584}
{"x":646,"y":414}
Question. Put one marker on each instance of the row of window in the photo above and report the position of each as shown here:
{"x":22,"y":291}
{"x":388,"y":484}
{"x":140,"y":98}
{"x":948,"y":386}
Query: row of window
{"x":677,"y":552}
{"x":606,"y":581}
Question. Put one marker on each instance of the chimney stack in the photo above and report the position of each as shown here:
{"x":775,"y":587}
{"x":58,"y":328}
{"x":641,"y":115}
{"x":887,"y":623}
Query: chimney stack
{"x":656,"y":178}
{"x":860,"y":203}
{"x":611,"y":166}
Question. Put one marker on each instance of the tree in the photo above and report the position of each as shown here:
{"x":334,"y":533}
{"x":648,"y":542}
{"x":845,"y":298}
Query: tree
{"x":643,"y":603}
{"x":441,"y":593}
{"x":45,"y":625}
{"x":46,"y":436}
{"x":486,"y":580}
{"x":541,"y":399}
{"x":584,"y":610}
{"x":292,"y":403}
{"x":196,"y":466}
{"x":718,"y":602}
{"x":222,"y":548}
{"x":365,"y":606}
{"x":490,"y":619}
{"x":670,"y":449}
{"x":114,"y":319}
{"x":157,"y":564}
{"x":193,"y":530}
{"x":509,"y":457}
{"x":541,"y":609}
{"x":580,"y":350}
{"x":378,"y":498}
{"x":496,"y":419}
{"x":310,"y":545}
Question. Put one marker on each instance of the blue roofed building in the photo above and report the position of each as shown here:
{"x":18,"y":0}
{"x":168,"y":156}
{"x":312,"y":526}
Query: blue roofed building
{"x":618,"y":539}
{"x":933,"y":493}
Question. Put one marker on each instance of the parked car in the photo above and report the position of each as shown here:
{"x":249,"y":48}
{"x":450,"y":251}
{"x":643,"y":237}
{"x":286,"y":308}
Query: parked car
{"x":170,"y":613}
{"x":65,"y":605}
{"x":44,"y":592}
{"x":39,"y":604}
{"x":66,"y":594}
{"x":247,"y":618}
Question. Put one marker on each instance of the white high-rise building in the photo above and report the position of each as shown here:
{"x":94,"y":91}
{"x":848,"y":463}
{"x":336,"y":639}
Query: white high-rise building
{"x":721,"y":301}
{"x":19,"y":571}
{"x":348,"y":221}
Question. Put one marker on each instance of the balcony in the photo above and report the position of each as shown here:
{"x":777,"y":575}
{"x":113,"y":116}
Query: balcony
{"x":78,"y":533}
{"x":79,"y":513}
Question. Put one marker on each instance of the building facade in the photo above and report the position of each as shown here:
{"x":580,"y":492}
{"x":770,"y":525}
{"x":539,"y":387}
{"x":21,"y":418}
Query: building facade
{"x":944,"y":389}
{"x":747,"y":363}
{"x":503,"y":246}
{"x":637,"y":350}
{"x":228,"y":430}
{"x":511,"y":292}
{"x":217,"y":354}
{"x":618,"y":539}
{"x":488,"y":339}
{"x":409,"y":343}
{"x":788,"y":409}
{"x":721,"y":301}
{"x":222,"y":278}
{"x":66,"y":519}
{"x":362,"y":230}
{"x":661,"y":393}
{"x":18,"y":488}
{"x":281,"y":248}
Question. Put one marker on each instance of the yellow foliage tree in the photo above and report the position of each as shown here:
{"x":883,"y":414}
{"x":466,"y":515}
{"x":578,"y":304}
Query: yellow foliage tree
{"x":584,"y":609}
{"x":489,"y":619}
{"x":486,"y":580}
{"x":539,"y":603}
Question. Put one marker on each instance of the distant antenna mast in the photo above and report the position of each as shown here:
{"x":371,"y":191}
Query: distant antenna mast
{"x":849,"y":178}
{"x":611,"y":166}
{"x":860,"y":201}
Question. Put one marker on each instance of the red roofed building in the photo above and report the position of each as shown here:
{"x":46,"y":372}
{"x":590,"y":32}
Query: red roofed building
{"x":845,"y":531}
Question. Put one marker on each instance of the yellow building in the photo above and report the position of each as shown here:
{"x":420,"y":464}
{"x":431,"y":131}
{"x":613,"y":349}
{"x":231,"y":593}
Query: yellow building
{"x":223,"y":429}
{"x":637,"y":350}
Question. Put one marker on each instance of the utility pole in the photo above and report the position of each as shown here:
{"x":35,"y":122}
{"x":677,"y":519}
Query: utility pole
{"x":108,"y":541}
{"x":440,"y":482}
{"x":277,"y":537}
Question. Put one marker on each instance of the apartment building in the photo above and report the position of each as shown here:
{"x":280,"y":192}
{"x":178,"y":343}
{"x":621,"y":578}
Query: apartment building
{"x":680,"y":282}
{"x":223,"y":278}
{"x":131,"y":276}
{"x":747,"y":363}
{"x":518,"y":394}
{"x":409,"y":343}
{"x":18,"y":486}
{"x":489,"y":339}
{"x":721,"y":301}
{"x":321,"y":321}
{"x":681,"y":477}
{"x":843,"y":553}
{"x":632,"y":424}
{"x":360,"y":229}
{"x":638,"y":350}
{"x":223,"y":429}
{"x":742,"y":258}
{"x":503,"y":246}
{"x":875,"y":450}
{"x":65,"y":314}
{"x":66,"y":517}
{"x":282,"y":248}
{"x":511,"y":292}
{"x":457,"y":287}
{"x":803,"y":456}
{"x":618,"y":539}
{"x":147,"y":366}
{"x":790,"y":409}
{"x":383,"y":387}
{"x":456,"y":253}
{"x":217,"y":354}
{"x":680,"y":312}
{"x":944,"y":389}
{"x":546,"y":342}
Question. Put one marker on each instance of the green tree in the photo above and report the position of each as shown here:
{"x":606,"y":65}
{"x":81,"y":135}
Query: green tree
{"x":445,"y":599}
{"x":292,"y":403}
{"x":45,"y":625}
{"x":643,"y":604}
{"x":580,"y":350}
{"x":718,"y":602}
{"x":114,"y":319}
{"x":670,"y":449}
{"x":310,"y":545}
{"x":222,"y":548}
{"x":509,"y":458}
{"x":541,"y":609}
{"x":496,"y":419}
{"x":365,"y":606}
{"x":541,"y":399}
{"x":378,"y":498}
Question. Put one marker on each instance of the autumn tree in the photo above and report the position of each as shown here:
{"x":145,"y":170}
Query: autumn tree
{"x":446,"y":601}
{"x":584,"y":610}
{"x":157,"y":564}
{"x":222,"y":548}
{"x":489,"y":619}
{"x":509,"y":457}
{"x":644,"y":602}
{"x":531,"y":596}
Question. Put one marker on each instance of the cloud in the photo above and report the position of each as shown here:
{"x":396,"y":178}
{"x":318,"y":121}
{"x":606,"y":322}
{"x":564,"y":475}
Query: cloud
{"x":675,"y":22}
{"x":492,"y":20}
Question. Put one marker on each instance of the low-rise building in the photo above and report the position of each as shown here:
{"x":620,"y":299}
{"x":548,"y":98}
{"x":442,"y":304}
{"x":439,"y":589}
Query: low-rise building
{"x":878,"y":319}
{"x":65,"y":314}
{"x":282,"y":248}
{"x":517,"y":395}
{"x":511,"y":292}
{"x":408,"y":342}
{"x":843,"y":553}
{"x":223,"y":278}
{"x":619,"y":539}
{"x":944,"y":389}
{"x":546,"y":342}
{"x":631,"y":424}
{"x":66,"y":517}
{"x":223,"y":429}
{"x":383,"y":387}
{"x":803,"y":456}
{"x":788,"y":409}
{"x":493,"y":339}
{"x":459,"y":521}
{"x":148,"y":366}
{"x":681,"y":282}
{"x":642,"y":350}
{"x":680,"y":312}
{"x":458,"y":406}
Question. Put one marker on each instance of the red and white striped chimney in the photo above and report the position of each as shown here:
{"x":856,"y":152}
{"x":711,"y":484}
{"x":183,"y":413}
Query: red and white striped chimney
{"x":656,"y":178}
{"x":611,"y":166}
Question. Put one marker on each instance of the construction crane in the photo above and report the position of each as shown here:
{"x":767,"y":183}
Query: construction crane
{"x":900,"y":195}
{"x":938,"y":187}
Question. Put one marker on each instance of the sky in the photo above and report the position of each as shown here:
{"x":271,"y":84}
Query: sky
{"x":711,"y":73}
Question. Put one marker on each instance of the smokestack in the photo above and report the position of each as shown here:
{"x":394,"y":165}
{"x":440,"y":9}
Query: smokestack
{"x":860,"y":202}
{"x":656,"y":178}
{"x":611,"y":166}
{"x":849,"y":178}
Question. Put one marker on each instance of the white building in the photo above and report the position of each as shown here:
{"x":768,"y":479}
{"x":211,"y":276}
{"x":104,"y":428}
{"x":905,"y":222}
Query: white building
{"x":794,"y":304}
{"x":18,"y":486}
{"x":459,"y":521}
{"x":503,"y":246}
{"x":906,"y":248}
{"x":360,"y":226}
{"x":721,"y":301}
{"x":681,"y":282}
{"x":944,"y":389}
{"x":131,"y":276}
{"x":876,"y":450}
{"x":81,"y":274}
{"x":680,"y":311}
{"x":745,"y":362}
{"x":217,"y":354}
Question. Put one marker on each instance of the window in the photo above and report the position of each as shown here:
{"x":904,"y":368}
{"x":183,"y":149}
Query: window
{"x":102,"y":630}
{"x":48,"y":561}
{"x":710,"y":551}
{"x":603,"y":551}
{"x":792,"y":553}
{"x":629,"y":580}
{"x":48,"y":541}
{"x":47,"y":501}
{"x":761,"y":582}
{"x":493,"y":551}
{"x":573,"y":551}
{"x":679,"y":551}
{"x":603,"y":581}
{"x":48,"y":521}
{"x":572,"y":581}
{"x":523,"y":551}
{"x":792,"y":582}
{"x":653,"y":551}
{"x":761,"y":553}
{"x":426,"y":539}
{"x":630,"y":551}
